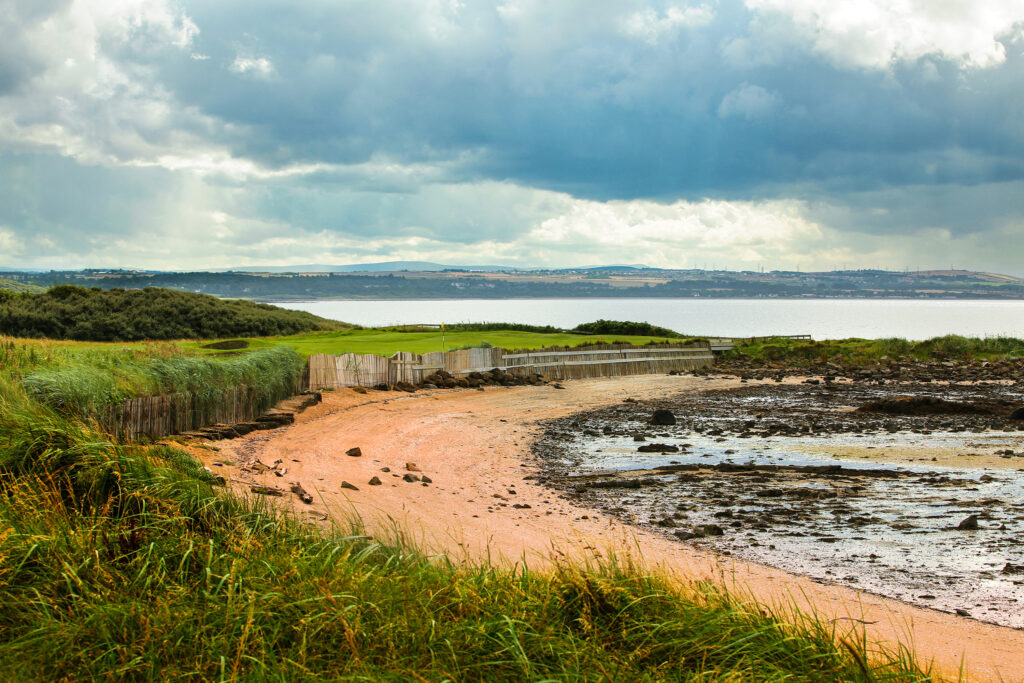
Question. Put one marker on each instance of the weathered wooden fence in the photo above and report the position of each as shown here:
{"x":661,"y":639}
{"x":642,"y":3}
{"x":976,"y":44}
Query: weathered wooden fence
{"x":156,"y":416}
{"x":607,"y":362}
{"x":602,"y":360}
{"x":729,"y":343}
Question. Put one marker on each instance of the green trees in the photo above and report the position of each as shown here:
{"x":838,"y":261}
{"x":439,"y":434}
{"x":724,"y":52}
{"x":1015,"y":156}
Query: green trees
{"x":71,"y":312}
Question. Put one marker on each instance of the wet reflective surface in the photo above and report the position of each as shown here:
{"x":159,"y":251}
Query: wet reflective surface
{"x":792,"y":477}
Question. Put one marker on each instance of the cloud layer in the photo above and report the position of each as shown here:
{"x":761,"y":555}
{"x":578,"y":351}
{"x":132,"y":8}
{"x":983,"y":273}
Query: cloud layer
{"x":777,"y":132}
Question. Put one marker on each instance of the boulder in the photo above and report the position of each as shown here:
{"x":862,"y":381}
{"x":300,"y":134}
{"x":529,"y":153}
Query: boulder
{"x":658,"y":448}
{"x":663,"y":417}
{"x":969,"y":524}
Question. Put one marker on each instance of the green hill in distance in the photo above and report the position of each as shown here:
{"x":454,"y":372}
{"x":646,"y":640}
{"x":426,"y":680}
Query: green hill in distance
{"x":19,"y":287}
{"x":71,"y":312}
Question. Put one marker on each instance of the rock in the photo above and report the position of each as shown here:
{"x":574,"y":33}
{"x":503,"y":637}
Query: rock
{"x":266,"y":490}
{"x":663,"y":417}
{"x":1013,"y":568}
{"x":704,"y":530}
{"x":430,"y":386}
{"x":427,"y":480}
{"x":556,"y":385}
{"x":385,"y":469}
{"x":350,"y":487}
{"x":639,"y":437}
{"x":685,"y":535}
{"x":354,"y":452}
{"x":1017,"y":414}
{"x":374,"y":481}
{"x":969,"y":524}
{"x":405,"y":386}
{"x":658,"y":448}
{"x":411,"y":467}
{"x":522,"y":506}
{"x":359,"y":390}
{"x":302,"y":493}
{"x":410,"y":478}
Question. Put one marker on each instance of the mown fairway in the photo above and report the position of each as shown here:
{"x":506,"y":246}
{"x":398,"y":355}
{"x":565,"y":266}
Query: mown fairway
{"x":386,"y":342}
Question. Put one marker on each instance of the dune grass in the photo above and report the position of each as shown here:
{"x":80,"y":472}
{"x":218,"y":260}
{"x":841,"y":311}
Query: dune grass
{"x":83,"y":380}
{"x":867,"y":351}
{"x":122,"y":562}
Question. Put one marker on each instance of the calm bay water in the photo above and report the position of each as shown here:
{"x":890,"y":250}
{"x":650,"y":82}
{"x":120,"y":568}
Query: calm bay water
{"x":821,"y":318}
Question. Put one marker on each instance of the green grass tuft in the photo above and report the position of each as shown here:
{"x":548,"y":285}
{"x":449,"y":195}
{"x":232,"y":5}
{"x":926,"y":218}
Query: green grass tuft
{"x":122,"y":562}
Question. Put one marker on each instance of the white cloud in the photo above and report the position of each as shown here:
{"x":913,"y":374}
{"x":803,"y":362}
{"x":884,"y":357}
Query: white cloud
{"x":89,"y":92}
{"x":651,"y":26}
{"x":874,"y":33}
{"x":260,"y":67}
{"x":10,"y":246}
{"x":750,"y":102}
{"x":671,"y":235}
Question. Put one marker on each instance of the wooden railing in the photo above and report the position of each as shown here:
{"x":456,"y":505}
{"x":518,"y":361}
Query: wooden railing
{"x":607,"y":360}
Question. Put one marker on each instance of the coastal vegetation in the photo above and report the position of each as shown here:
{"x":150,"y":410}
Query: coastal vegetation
{"x":117,"y":561}
{"x":14,"y":286}
{"x":871,"y":351}
{"x":621,"y":327}
{"x":71,"y":312}
{"x":88,"y":386}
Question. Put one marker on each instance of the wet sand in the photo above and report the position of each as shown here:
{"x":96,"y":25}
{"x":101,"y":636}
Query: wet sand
{"x":484,"y":503}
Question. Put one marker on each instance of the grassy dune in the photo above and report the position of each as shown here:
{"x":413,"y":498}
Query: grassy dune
{"x":864,"y":351}
{"x":124,"y":562}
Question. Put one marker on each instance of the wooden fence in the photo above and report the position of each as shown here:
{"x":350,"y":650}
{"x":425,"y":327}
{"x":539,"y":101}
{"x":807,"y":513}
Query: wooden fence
{"x":729,"y":343}
{"x":157,"y":416}
{"x":602,"y":360}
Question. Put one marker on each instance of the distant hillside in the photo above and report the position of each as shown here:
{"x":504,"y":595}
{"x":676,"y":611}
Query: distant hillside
{"x":70,"y":312}
{"x":606,"y":282}
{"x":13,"y":286}
{"x":383,"y":267}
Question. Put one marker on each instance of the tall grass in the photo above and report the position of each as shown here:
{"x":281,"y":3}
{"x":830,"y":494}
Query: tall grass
{"x":863,"y":351}
{"x":121,"y":562}
{"x":85,"y":387}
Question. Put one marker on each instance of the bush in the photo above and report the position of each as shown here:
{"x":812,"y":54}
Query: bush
{"x":71,"y":312}
{"x":624,"y":327}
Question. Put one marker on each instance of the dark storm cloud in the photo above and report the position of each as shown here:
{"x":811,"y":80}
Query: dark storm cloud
{"x":601,"y":114}
{"x":463,"y":122}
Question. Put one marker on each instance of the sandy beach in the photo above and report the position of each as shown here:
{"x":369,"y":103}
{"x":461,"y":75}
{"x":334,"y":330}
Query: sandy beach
{"x":482,"y":503}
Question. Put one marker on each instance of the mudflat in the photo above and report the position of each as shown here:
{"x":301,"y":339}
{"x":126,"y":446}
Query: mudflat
{"x":458,"y":475}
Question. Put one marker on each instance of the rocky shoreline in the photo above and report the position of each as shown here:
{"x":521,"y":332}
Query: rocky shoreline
{"x":751,"y":472}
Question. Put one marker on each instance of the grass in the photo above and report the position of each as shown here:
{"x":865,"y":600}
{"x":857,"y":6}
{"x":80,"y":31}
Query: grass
{"x":869,"y":351}
{"x":385,"y":342}
{"x":84,"y":380}
{"x":122,"y":562}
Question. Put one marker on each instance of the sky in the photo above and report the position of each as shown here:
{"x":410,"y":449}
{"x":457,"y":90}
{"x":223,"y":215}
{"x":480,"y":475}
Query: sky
{"x":741,"y":134}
